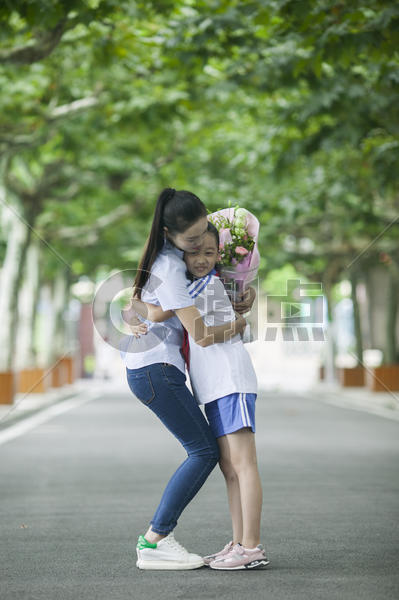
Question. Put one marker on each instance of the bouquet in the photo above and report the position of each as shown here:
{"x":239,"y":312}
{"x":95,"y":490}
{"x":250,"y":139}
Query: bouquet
{"x":238,"y":247}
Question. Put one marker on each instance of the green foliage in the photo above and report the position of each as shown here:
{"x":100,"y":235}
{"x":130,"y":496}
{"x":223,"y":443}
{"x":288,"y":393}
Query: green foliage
{"x":288,"y":108}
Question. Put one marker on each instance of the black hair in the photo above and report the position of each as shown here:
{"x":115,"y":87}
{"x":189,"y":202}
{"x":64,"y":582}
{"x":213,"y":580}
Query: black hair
{"x":211,"y":229}
{"x":176,"y":210}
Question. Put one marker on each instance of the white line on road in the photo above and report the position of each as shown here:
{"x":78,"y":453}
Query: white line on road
{"x":30,"y":423}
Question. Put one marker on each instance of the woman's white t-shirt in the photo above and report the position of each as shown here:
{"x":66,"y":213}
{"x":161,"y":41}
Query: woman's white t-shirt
{"x":165,"y":287}
{"x":219,"y":369}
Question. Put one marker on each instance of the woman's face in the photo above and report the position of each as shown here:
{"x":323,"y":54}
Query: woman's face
{"x":192,"y":238}
{"x":200,"y":262}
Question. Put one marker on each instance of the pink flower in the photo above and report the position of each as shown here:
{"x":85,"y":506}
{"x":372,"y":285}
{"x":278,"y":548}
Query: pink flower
{"x":241,"y":251}
{"x":224,"y":237}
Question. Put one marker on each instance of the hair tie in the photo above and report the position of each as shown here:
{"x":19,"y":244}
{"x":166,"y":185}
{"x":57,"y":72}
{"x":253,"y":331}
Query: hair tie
{"x":166,"y":195}
{"x":172,"y":192}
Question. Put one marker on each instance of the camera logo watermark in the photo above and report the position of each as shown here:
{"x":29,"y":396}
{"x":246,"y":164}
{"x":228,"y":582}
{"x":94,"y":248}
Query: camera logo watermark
{"x":113,"y":315}
{"x":298,"y":313}
{"x":300,"y":317}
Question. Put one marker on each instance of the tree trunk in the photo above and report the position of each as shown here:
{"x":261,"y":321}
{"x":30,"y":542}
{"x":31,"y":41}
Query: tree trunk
{"x":11,"y":275}
{"x":26,"y":349}
{"x":55,"y":346}
{"x":390,"y":355}
{"x":60,"y":340}
{"x":330,"y":341}
{"x":370,"y":304}
{"x":353,"y":276}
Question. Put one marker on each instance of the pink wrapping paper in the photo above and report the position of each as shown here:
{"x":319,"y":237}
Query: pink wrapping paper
{"x":245,"y":271}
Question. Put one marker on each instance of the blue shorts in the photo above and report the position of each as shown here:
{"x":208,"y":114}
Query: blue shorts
{"x":230,"y":413}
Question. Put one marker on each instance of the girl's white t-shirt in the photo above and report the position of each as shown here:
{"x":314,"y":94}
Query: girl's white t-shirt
{"x":165,"y":287}
{"x":224,"y":368}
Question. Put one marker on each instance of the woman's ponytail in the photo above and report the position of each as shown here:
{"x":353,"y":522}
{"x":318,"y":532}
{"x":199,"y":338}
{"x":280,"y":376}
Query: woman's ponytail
{"x":156,"y":236}
{"x":176,"y":210}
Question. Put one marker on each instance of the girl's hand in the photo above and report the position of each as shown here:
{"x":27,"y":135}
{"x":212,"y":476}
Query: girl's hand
{"x":136,"y":326}
{"x":246,"y":303}
{"x":139,"y":329}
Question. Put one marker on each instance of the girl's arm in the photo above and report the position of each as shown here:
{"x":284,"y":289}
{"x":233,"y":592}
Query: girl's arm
{"x":204,"y":336}
{"x":191,"y":319}
{"x":137,"y":327}
{"x":151,"y":312}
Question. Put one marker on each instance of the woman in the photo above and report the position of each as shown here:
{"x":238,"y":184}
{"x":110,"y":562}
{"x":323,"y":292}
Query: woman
{"x":224,"y":380}
{"x":156,"y":372}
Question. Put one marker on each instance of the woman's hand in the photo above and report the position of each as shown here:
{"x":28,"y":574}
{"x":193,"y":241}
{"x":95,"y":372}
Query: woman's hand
{"x":241,"y":323}
{"x":246,"y":303}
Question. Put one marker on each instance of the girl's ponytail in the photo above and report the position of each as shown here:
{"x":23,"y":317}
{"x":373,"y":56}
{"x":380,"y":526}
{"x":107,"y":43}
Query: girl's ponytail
{"x":176,"y":210}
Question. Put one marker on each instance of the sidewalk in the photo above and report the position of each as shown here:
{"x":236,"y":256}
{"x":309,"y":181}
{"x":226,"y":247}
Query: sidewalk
{"x":384,"y":404}
{"x":293,"y":367}
{"x":26,"y":405}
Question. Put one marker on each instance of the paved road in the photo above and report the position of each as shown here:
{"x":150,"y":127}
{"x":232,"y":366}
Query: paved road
{"x":77,"y":490}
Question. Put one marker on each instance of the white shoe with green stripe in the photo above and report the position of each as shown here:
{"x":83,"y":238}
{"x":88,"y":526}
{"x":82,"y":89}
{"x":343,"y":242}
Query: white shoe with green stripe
{"x":166,"y":554}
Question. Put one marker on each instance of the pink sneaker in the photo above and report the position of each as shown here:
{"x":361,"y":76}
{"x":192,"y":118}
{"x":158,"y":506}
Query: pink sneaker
{"x":241,"y":558}
{"x":211,"y":557}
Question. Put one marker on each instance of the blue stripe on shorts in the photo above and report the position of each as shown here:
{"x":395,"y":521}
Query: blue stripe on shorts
{"x":230,"y":413}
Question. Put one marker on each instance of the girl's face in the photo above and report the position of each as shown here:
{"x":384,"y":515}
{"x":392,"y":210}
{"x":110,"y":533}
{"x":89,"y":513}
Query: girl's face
{"x":191,"y":239}
{"x":200,"y":262}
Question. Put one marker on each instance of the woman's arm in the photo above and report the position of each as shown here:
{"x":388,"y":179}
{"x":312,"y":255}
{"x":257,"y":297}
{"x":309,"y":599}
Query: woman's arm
{"x":204,"y":336}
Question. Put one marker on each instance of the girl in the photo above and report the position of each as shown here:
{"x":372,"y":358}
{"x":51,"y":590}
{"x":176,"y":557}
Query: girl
{"x":229,"y":406}
{"x":156,"y":373}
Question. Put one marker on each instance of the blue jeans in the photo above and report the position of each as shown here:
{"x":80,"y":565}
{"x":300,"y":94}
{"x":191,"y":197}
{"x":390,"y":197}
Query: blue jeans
{"x":162,"y":388}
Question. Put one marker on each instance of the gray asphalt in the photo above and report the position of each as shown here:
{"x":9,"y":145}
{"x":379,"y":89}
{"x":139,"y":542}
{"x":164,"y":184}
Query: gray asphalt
{"x":78,"y":490}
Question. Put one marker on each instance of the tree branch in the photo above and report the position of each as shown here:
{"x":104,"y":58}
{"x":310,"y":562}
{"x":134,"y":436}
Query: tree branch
{"x":85,"y":235}
{"x":40,"y":49}
{"x":40,"y":190}
{"x":76,"y":105}
{"x":11,"y":144}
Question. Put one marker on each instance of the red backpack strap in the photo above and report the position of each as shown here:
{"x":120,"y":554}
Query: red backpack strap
{"x":185,"y":349}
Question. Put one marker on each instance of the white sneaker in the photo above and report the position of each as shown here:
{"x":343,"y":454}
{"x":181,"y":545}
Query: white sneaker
{"x":167,"y":554}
